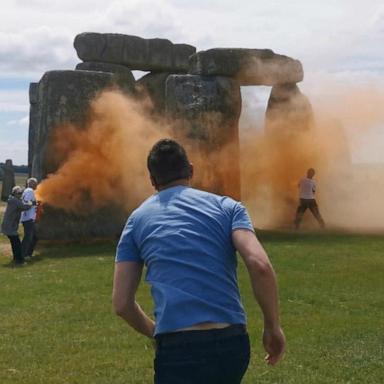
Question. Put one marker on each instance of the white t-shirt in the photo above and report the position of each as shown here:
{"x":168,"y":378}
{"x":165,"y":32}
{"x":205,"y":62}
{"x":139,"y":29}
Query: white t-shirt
{"x":27,"y":196}
{"x":307,"y":188}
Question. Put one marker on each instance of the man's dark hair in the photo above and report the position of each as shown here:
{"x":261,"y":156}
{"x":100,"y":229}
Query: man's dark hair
{"x":310,"y":171}
{"x":167,"y":161}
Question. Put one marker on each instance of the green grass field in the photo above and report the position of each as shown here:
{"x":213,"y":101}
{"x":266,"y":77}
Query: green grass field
{"x":57,"y":326}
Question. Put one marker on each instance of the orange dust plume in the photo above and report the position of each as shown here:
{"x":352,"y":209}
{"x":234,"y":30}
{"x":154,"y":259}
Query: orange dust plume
{"x":105,"y":160}
{"x":273,"y":160}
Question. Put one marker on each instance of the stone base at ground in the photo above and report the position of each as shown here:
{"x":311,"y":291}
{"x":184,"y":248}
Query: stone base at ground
{"x":57,"y":224}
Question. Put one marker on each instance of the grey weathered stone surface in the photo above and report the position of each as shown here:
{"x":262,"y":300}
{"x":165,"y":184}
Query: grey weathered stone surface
{"x":34,"y":120}
{"x":8,"y":180}
{"x":204,"y":112}
{"x":64,"y":97}
{"x":33,"y":93}
{"x":153,"y":85}
{"x":57,"y":224}
{"x":123,"y":76}
{"x":288,"y":111}
{"x":106,"y":67}
{"x":248,"y":66}
{"x":289,"y":117}
{"x":133,"y":51}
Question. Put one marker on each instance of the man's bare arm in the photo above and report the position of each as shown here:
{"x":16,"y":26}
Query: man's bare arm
{"x":125,"y":283}
{"x":264,"y":287}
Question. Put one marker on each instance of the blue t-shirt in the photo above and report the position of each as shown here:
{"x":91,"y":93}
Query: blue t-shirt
{"x":184,"y":237}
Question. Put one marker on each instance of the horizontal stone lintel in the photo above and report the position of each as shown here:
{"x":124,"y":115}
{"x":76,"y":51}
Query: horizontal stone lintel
{"x":247,"y":66}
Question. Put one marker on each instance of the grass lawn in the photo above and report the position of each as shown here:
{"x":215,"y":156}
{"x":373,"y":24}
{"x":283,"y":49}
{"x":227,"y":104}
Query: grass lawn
{"x":56,"y":323}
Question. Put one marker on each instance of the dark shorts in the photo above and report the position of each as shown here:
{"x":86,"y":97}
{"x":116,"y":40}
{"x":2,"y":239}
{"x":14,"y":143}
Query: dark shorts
{"x":307,"y":204}
{"x":216,"y":356}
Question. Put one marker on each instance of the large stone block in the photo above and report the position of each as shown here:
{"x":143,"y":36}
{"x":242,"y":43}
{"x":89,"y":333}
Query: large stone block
{"x":248,"y":66}
{"x":34,"y":119}
{"x":8,"y":180}
{"x":290,"y":148}
{"x":153,"y":86}
{"x":58,"y":224}
{"x":33,"y":93}
{"x":121,"y":70}
{"x":288,"y":111}
{"x":64,"y":97}
{"x":204,"y":112}
{"x":133,"y":51}
{"x":123,"y":76}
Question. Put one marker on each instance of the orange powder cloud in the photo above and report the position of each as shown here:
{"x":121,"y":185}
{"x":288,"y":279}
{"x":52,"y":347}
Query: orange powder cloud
{"x":349,"y":195}
{"x":104,"y":161}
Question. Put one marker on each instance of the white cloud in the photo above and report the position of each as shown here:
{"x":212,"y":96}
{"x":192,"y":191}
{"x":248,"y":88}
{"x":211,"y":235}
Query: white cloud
{"x":21,"y":123}
{"x":15,"y":150}
{"x":14,"y":101}
{"x":46,"y":42}
{"x":144,"y":18}
{"x":378,"y":20}
{"x":33,"y":51}
{"x":328,"y":34}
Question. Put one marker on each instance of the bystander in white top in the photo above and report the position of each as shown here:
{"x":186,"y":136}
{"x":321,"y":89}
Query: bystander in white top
{"x":28,"y":196}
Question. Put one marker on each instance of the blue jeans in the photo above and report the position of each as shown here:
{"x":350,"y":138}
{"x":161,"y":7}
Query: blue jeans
{"x":217,"y":356}
{"x":29,"y":240}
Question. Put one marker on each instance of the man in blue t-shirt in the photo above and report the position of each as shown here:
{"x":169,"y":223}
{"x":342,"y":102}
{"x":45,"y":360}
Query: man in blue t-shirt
{"x":187,"y":239}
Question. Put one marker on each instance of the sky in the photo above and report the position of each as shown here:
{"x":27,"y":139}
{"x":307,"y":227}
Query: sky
{"x":339,"y":43}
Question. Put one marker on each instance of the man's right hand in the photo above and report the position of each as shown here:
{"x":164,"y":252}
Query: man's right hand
{"x":274,"y":344}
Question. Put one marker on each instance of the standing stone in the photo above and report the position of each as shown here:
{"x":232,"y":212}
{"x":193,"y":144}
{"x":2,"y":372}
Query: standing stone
{"x":204,"y":112}
{"x":34,"y":120}
{"x":247,"y":66}
{"x":288,"y":110}
{"x":8,"y":180}
{"x":64,"y":97}
{"x":291,"y":148}
{"x":153,"y":85}
{"x":159,"y":55}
